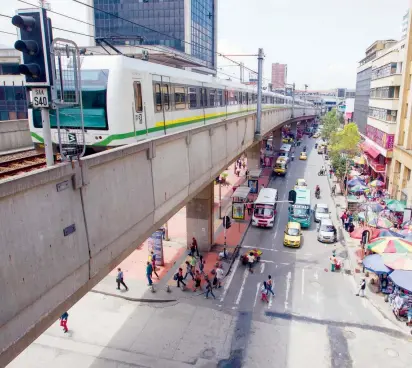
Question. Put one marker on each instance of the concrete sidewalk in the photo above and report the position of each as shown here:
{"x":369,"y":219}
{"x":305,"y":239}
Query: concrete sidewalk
{"x":355,"y":262}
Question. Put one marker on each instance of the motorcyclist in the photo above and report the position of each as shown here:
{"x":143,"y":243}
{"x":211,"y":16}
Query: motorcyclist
{"x":304,"y":148}
{"x":322,"y":170}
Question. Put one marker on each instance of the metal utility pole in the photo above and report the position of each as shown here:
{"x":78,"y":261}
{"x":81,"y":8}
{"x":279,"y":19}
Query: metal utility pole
{"x":293,"y":100}
{"x":242,"y":72}
{"x":259,"y":97}
{"x":304,"y":106}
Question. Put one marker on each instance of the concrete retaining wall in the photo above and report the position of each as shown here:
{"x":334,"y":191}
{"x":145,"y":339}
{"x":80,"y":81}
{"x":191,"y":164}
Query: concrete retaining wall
{"x":14,"y":134}
{"x":115,"y":200}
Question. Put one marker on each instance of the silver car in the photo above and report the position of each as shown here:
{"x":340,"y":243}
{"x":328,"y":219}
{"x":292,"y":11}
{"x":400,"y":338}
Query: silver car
{"x":327,"y":231}
{"x":321,"y":211}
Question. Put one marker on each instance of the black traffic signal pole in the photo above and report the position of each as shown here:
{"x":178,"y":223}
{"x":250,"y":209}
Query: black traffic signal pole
{"x":34,"y":30}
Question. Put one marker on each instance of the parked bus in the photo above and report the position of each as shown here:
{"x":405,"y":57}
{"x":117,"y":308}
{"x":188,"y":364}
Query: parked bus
{"x":264,"y":211}
{"x":285,"y":151}
{"x":281,"y":166}
{"x":301,"y":210}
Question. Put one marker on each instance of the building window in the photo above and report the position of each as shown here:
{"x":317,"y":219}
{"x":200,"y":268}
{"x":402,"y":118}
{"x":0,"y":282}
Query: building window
{"x":193,"y":97}
{"x":383,"y":114}
{"x":386,"y":70}
{"x":138,"y":96}
{"x":212,"y":94}
{"x":180,"y":98}
{"x":166,"y":100}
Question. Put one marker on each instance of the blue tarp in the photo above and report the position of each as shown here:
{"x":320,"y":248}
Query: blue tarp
{"x":402,"y":278}
{"x":375,"y":264}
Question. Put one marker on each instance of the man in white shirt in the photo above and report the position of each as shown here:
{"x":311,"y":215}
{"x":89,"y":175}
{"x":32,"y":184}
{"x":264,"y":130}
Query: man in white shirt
{"x":250,"y":260}
{"x":219,"y":275}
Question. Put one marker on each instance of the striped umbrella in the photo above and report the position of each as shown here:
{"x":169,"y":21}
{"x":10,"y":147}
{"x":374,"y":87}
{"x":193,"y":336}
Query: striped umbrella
{"x":381,"y":222}
{"x":395,"y":205}
{"x":398,"y":261}
{"x":376,"y":183}
{"x":390,"y":245}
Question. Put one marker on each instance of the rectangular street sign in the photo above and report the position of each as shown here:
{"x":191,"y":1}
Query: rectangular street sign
{"x":40,"y":97}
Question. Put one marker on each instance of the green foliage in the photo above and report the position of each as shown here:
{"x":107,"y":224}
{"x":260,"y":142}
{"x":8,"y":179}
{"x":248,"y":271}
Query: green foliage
{"x":339,"y":165}
{"x":330,"y":124}
{"x":346,"y":140}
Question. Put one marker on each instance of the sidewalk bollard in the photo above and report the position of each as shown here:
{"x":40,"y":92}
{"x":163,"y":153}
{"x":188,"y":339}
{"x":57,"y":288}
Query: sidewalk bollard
{"x":168,"y":289}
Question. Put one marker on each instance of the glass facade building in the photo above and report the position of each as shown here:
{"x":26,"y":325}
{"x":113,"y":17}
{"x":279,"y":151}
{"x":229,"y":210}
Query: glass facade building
{"x":159,"y":22}
{"x":361,"y":109}
{"x":13,"y":104}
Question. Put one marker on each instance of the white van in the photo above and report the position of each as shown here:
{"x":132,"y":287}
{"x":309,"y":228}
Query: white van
{"x":264,"y":210}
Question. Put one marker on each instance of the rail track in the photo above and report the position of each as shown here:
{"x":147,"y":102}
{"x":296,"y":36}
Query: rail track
{"x":18,"y":165}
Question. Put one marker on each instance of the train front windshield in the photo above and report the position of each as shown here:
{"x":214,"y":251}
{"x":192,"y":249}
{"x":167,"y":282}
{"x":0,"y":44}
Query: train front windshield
{"x":94,"y":90}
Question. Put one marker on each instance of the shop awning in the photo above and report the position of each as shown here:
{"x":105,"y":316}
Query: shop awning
{"x":370,"y":150}
{"x":241,"y":192}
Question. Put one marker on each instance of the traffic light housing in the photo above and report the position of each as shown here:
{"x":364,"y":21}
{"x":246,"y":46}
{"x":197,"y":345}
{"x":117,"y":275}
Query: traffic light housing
{"x":34,"y":43}
{"x":226,"y":222}
{"x":292,"y":196}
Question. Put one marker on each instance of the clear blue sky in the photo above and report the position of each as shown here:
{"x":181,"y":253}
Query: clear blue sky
{"x":320,"y":40}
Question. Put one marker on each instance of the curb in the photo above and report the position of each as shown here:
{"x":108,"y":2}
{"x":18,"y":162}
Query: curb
{"x":144,"y":300}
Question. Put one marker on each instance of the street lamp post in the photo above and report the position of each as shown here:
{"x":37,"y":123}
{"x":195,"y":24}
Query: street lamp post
{"x":304,"y":106}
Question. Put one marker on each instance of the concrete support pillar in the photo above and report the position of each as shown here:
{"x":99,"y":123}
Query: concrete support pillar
{"x":276,"y":140}
{"x":253,"y":157}
{"x":199,"y":219}
{"x":294,"y":128}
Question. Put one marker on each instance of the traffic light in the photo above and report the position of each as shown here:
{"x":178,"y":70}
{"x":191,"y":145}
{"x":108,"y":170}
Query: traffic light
{"x":292,"y":196}
{"x":34,"y":43}
{"x":226,"y":222}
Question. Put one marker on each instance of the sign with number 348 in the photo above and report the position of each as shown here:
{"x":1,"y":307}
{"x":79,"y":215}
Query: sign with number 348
{"x":40,"y":97}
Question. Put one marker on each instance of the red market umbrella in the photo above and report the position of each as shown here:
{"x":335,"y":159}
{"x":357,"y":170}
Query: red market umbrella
{"x":357,"y":233}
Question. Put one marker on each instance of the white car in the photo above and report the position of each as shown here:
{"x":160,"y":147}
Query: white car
{"x":326,"y":231}
{"x":321,"y":211}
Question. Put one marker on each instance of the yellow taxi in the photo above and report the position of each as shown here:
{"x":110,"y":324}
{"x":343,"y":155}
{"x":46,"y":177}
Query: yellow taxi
{"x":293,"y":235}
{"x":303,"y":156}
{"x":316,"y":135}
{"x":300,"y":184}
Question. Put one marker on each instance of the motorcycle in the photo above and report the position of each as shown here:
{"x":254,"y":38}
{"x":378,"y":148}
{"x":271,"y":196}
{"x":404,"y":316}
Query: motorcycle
{"x":322,"y":172}
{"x":317,"y":194}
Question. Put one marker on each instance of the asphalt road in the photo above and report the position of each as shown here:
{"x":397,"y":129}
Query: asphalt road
{"x":308,"y":295}
{"x":315,"y":319}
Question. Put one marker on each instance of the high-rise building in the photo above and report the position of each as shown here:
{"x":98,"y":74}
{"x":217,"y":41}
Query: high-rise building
{"x":386,"y":75}
{"x":186,"y":25}
{"x":363,"y":83}
{"x":279,"y":75}
{"x":400,"y":181}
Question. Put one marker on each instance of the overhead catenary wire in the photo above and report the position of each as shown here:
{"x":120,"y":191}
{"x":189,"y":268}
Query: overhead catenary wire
{"x":164,"y":34}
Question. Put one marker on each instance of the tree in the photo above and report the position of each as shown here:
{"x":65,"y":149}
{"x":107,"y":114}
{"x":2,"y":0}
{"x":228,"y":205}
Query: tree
{"x":330,"y":125}
{"x":339,"y":165}
{"x":346,"y":140}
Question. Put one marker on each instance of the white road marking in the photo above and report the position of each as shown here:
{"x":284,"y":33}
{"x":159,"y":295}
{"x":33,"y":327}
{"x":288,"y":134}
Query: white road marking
{"x":288,"y":278}
{"x":253,"y":247}
{"x":303,"y":282}
{"x":229,"y":280}
{"x":257,"y":293}
{"x":239,"y":296}
{"x":271,"y":296}
{"x":262,"y":267}
{"x":316,"y":276}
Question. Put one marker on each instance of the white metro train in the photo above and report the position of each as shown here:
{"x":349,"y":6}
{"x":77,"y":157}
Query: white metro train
{"x":126,"y":100}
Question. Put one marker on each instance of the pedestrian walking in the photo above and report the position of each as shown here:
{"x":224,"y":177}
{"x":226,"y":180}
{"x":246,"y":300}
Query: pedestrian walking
{"x":198,"y":281}
{"x":219,"y":276}
{"x":250,"y":260}
{"x":343,"y":217}
{"x":179,"y":277}
{"x":120,"y":280}
{"x":334,"y":190}
{"x":63,"y":321}
{"x":193,"y":261}
{"x":209,"y":288}
{"x":362,"y":288}
{"x":194,"y":244}
{"x":201,"y":265}
{"x":264,"y":292}
{"x":189,"y":271}
{"x":153,"y":260}
{"x":347,"y":222}
{"x":269,"y":285}
{"x":149,"y":271}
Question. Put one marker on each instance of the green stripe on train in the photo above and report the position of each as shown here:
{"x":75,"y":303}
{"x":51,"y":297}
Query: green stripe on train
{"x":36,"y":136}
